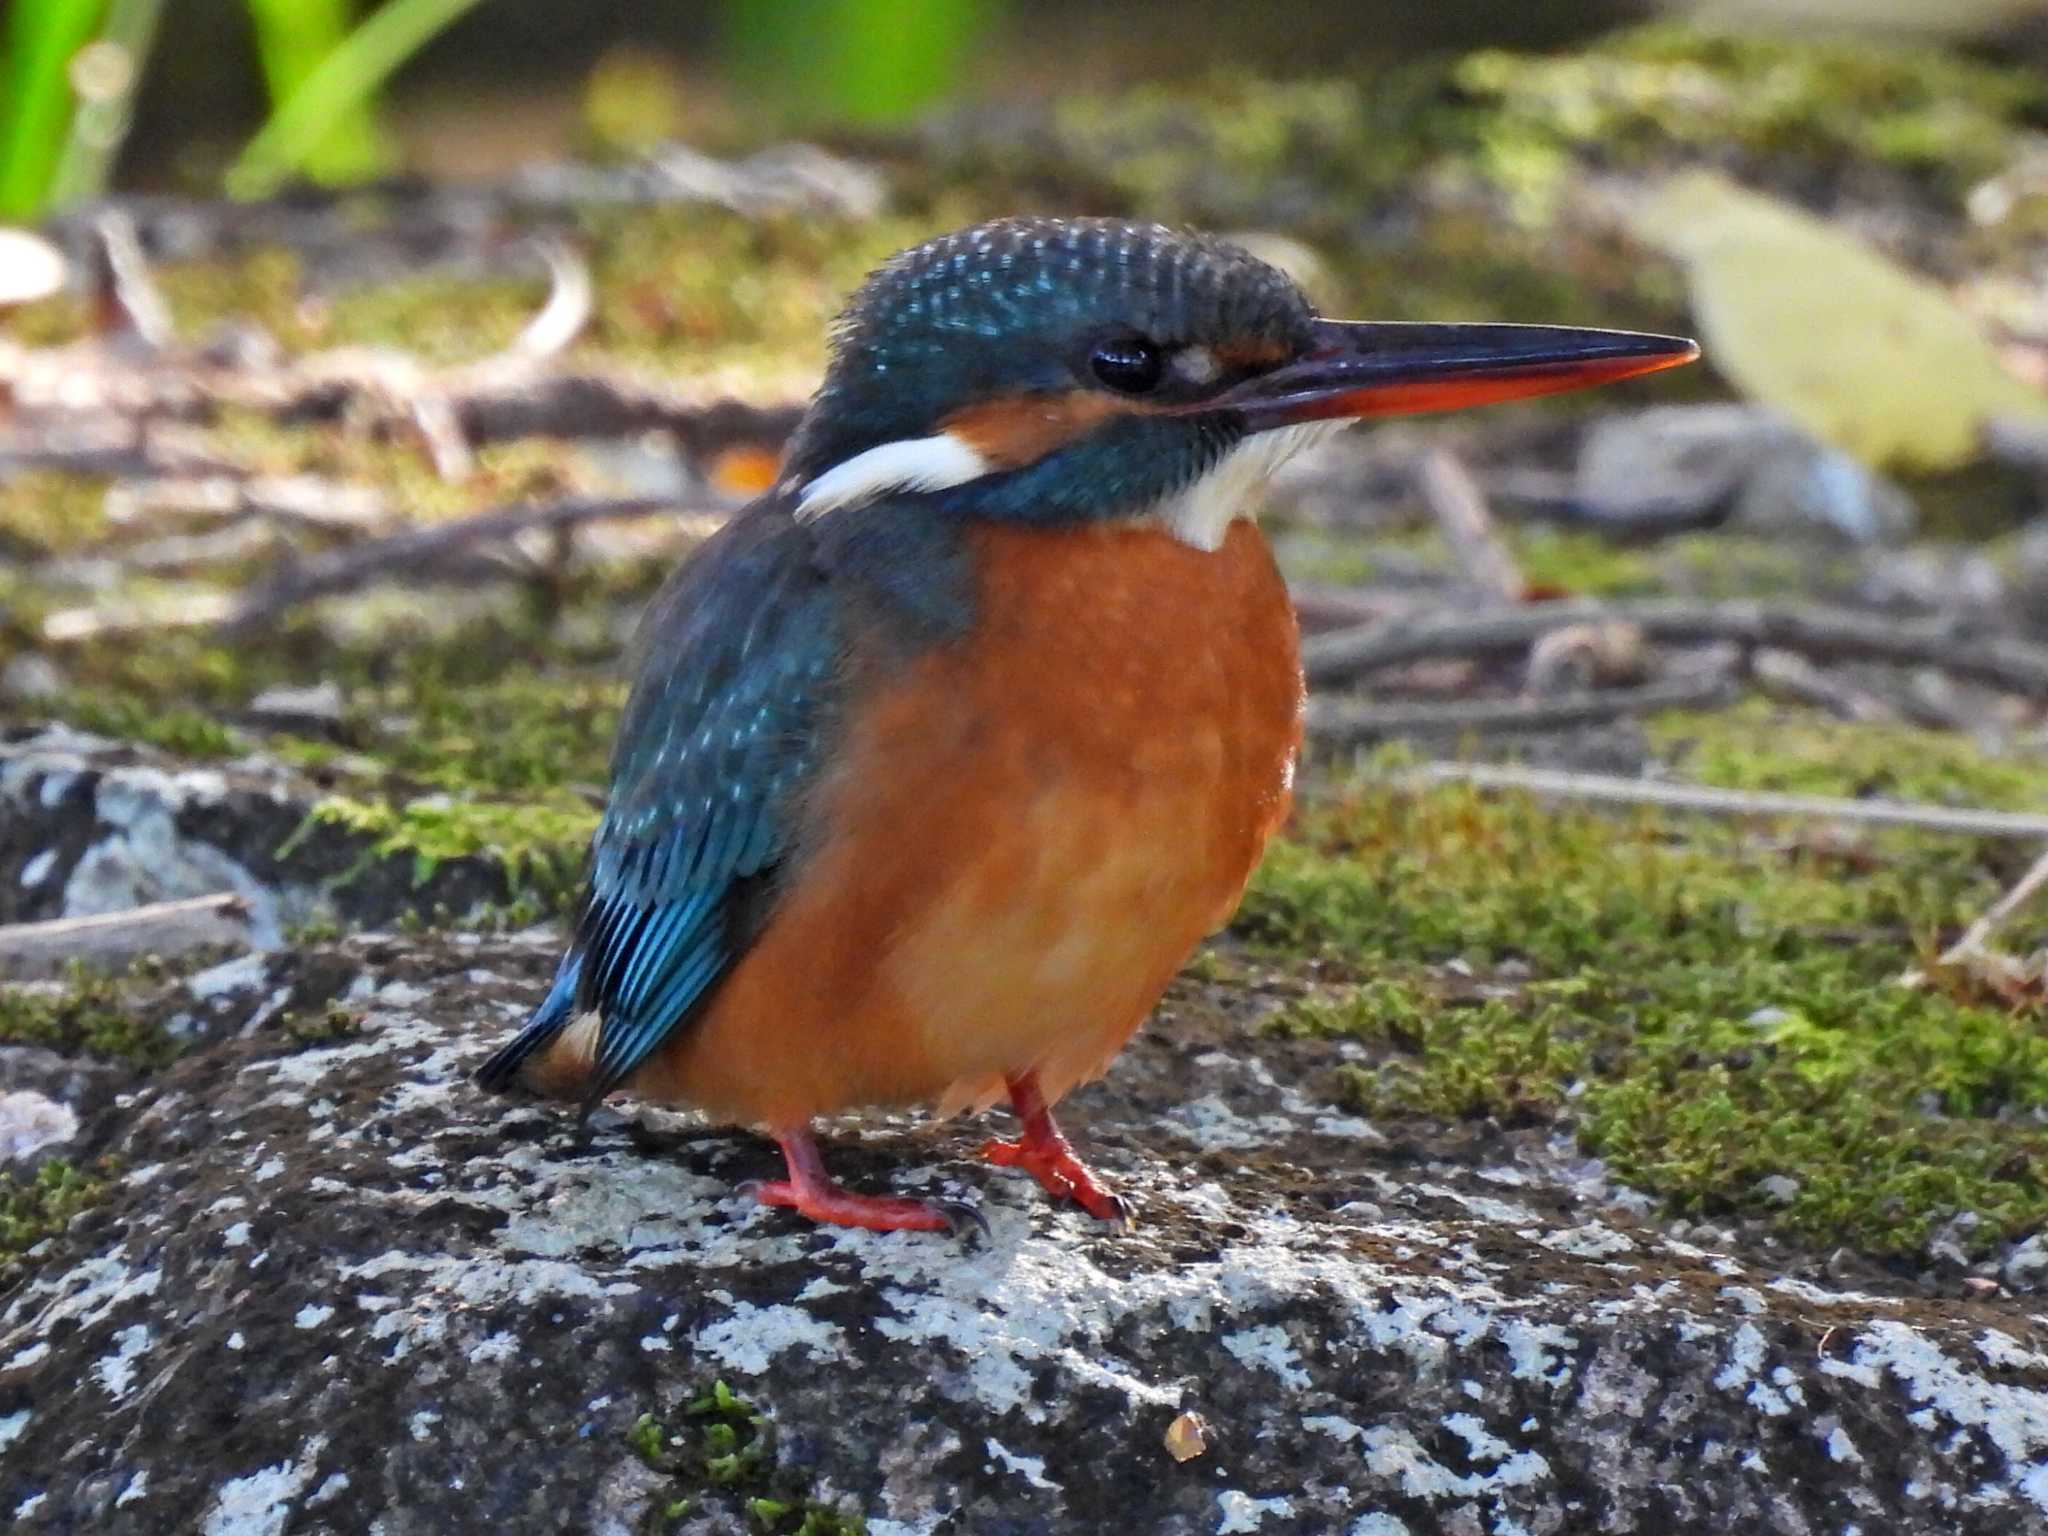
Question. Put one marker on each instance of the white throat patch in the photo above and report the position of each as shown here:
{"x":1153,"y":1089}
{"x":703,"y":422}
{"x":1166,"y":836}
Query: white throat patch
{"x":1202,"y":513}
{"x":1199,"y":515}
{"x":913,"y":464}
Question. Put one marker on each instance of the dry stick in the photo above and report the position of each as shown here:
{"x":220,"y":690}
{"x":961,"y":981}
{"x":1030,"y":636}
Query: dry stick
{"x":130,"y":295}
{"x":1609,"y":789}
{"x":418,"y":548}
{"x":1972,"y":941}
{"x":1459,"y":507}
{"x":164,"y":928}
{"x":1953,"y":645}
{"x":1347,"y":722}
{"x":571,"y":298}
{"x":1320,"y":606}
{"x":1788,"y":675}
{"x":435,"y":411}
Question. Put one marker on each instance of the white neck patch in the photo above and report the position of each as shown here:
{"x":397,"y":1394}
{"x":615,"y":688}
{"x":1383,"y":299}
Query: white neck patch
{"x":912,"y":464}
{"x":1201,"y":514}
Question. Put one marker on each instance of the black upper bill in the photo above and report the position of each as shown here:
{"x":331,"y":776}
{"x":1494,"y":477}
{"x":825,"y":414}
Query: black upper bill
{"x":1389,"y":368}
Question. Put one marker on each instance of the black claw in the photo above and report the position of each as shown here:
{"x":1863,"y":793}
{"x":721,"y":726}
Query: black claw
{"x":961,"y":1216}
{"x":1126,"y":1214}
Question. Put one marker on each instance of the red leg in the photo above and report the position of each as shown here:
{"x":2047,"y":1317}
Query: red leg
{"x":810,"y":1191}
{"x":1046,"y":1155}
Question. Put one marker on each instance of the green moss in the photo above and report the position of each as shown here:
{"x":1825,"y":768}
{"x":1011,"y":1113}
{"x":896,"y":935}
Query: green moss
{"x":520,"y":731}
{"x":1759,"y":747}
{"x":539,"y":843}
{"x":41,"y":1205}
{"x":1731,"y":564}
{"x":337,"y":1021}
{"x":1582,"y":564}
{"x":47,"y":512}
{"x":185,"y":731}
{"x":1799,"y":107}
{"x":718,"y":1448}
{"x":1708,"y":1008}
{"x":86,"y":1015}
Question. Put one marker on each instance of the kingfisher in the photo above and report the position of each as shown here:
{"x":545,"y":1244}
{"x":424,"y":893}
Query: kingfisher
{"x":945,"y":753}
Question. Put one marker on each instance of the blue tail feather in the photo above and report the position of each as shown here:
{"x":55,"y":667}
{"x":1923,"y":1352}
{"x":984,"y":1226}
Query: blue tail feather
{"x":554,"y":1014}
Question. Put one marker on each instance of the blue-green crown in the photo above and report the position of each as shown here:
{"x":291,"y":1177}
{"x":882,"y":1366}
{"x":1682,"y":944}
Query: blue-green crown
{"x":1017,"y":306}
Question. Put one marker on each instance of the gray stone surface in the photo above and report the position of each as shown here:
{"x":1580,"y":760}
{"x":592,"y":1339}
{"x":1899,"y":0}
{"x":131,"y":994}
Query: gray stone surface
{"x":89,"y":826}
{"x":338,"y":1290}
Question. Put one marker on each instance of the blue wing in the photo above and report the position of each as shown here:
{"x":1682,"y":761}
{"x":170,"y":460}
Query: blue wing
{"x":738,"y":667}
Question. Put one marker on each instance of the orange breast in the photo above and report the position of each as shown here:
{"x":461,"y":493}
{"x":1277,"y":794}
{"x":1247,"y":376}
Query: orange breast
{"x":1024,"y":835}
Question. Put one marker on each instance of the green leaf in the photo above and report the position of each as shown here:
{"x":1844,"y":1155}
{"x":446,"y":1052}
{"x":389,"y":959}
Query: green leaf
{"x":337,"y":89}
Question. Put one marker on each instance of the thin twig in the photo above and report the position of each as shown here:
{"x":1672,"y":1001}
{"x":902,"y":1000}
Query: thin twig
{"x":1975,"y":936}
{"x":1321,"y":606}
{"x":1610,"y":789}
{"x":1956,"y":645}
{"x":570,"y":301}
{"x":164,"y":928}
{"x":418,"y":549}
{"x":1345,"y":722}
{"x":1659,"y":513}
{"x":1459,"y":507}
{"x":130,"y":296}
{"x":434,"y":417}
{"x":1788,"y":675}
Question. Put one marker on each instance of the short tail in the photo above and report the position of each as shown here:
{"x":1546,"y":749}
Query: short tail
{"x":557,"y":1010}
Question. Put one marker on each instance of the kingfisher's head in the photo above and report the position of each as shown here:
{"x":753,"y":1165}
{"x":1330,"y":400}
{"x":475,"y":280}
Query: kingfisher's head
{"x":1047,"y":371}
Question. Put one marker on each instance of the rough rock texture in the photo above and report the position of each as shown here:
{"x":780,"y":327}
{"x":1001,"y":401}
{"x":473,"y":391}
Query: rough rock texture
{"x":89,"y":825}
{"x":338,"y":1290}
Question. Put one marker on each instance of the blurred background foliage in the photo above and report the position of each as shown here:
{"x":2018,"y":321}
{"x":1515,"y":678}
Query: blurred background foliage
{"x":250,"y":94}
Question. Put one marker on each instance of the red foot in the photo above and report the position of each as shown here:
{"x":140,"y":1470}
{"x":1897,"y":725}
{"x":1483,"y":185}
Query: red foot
{"x":1046,"y":1155}
{"x":810,"y":1191}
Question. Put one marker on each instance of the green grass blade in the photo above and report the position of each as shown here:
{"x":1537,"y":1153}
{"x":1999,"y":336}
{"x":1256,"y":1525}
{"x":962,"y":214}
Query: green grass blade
{"x":40,"y":40}
{"x":856,"y":61}
{"x":344,"y":80}
{"x":293,"y":39}
{"x":99,"y":126}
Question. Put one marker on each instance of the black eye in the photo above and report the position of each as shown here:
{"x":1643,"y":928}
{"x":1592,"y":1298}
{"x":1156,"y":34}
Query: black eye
{"x":1131,"y":365}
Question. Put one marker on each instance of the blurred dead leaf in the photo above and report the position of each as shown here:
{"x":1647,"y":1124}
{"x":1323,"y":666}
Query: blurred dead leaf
{"x":1861,"y":352}
{"x":1187,"y":1437}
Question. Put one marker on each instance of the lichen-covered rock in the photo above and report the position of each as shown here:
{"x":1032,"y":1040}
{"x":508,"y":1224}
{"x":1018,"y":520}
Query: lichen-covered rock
{"x":338,"y":1290}
{"x":89,"y":826}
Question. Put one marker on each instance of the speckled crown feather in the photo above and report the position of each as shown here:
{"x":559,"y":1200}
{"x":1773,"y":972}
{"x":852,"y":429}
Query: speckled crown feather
{"x":1013,"y":305}
{"x":1016,"y":275}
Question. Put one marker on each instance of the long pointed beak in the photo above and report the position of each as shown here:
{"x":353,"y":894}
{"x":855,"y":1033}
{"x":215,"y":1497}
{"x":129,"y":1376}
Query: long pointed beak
{"x":1392,"y":368}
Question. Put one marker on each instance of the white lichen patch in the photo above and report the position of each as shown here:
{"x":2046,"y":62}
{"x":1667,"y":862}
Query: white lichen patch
{"x":261,"y":1503}
{"x":116,"y":1371}
{"x":1030,"y":1468}
{"x":1268,"y":1347}
{"x":1239,"y":1514}
{"x":1393,"y":1454}
{"x":243,"y":973}
{"x":143,"y":857}
{"x":2013,"y":1418}
{"x":31,"y":1121}
{"x":752,"y":1338}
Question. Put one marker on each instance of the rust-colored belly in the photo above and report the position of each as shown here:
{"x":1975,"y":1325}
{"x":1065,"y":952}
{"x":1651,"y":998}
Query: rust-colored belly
{"x":1024,"y":836}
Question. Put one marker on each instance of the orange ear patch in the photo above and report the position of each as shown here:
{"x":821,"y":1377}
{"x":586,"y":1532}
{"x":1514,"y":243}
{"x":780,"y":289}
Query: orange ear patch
{"x":1015,"y":430}
{"x":1252,"y":354}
